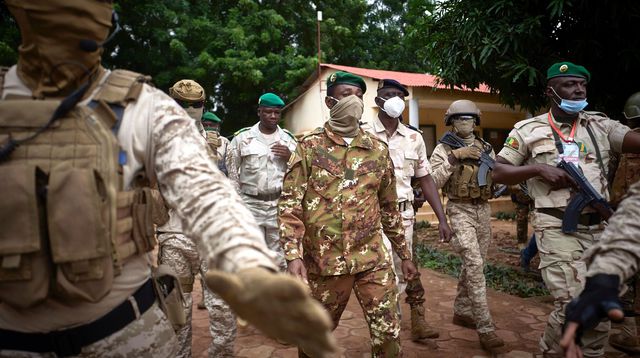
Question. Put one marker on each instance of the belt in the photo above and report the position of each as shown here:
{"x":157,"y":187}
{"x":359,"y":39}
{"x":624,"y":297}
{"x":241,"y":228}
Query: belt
{"x":474,"y":201}
{"x":70,"y":341}
{"x":588,"y":219}
{"x":404,"y":205}
{"x":265,"y":197}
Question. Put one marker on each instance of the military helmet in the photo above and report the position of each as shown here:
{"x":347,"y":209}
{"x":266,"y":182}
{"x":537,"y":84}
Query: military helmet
{"x":187,"y":90}
{"x":462,"y":107}
{"x":632,"y":107}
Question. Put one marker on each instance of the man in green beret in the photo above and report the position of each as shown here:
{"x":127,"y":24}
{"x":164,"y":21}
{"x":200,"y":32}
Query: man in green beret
{"x":531,"y":153}
{"x":339,"y":196}
{"x":256,"y":161}
{"x":217,"y":142}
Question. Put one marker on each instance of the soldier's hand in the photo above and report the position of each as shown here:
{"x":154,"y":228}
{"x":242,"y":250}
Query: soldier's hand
{"x":467,"y":153}
{"x":296,"y":268}
{"x":281,"y":151}
{"x":598,"y":300}
{"x":556,"y":177}
{"x":277,"y":304}
{"x":445,"y":232}
{"x":409,"y":270}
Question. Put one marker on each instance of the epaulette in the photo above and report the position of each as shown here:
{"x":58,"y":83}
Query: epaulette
{"x":413,"y":128}
{"x":524,"y":122}
{"x":596,"y":113}
{"x":316,"y":131}
{"x":241,"y":130}
{"x":290,"y":134}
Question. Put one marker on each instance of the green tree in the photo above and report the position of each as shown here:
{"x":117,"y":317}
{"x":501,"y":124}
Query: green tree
{"x":509,"y":44}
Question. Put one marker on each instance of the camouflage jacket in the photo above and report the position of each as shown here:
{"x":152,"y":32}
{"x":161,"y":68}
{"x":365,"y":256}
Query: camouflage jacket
{"x":336,"y":201}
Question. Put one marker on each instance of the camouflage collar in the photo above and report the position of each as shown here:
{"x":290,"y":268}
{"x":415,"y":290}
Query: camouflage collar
{"x":361,"y":140}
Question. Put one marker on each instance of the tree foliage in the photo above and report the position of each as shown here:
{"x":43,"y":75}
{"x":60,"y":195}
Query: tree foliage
{"x":509,"y":45}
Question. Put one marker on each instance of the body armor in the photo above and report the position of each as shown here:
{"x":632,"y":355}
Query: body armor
{"x":68,"y":223}
{"x":463,"y":182}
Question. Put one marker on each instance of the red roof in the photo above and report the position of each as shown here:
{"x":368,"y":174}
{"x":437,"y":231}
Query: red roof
{"x":409,"y":79}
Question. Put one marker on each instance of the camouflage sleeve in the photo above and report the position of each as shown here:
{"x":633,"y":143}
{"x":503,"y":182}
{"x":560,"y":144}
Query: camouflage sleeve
{"x":618,"y":251}
{"x":232,"y":162}
{"x":290,"y":214}
{"x":440,"y":166}
{"x":390,"y":215}
{"x":212,"y":213}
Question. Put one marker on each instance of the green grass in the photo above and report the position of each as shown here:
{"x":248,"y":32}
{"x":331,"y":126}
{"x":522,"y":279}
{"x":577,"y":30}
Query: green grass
{"x":499,"y":277}
{"x":505,"y":215}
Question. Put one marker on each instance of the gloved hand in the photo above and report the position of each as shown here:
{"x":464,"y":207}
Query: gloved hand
{"x":596,"y":302}
{"x":467,"y":153}
{"x":277,"y":304}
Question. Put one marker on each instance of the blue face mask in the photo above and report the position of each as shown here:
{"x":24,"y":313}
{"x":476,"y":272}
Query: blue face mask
{"x":570,"y":106}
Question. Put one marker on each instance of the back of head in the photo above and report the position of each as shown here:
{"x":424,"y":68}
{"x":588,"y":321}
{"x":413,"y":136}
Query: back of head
{"x":51,"y":62}
{"x":462,"y":107}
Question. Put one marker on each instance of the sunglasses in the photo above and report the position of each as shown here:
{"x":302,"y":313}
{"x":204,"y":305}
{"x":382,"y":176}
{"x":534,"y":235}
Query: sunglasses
{"x":187,"y":104}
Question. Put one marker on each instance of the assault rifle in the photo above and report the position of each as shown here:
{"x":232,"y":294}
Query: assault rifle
{"x":486,"y":162}
{"x":586,"y":195}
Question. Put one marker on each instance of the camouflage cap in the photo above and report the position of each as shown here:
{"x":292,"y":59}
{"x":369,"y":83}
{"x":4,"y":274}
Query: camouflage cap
{"x":211,"y":117}
{"x":187,"y":90}
{"x":567,"y":69}
{"x":346,"y":78}
{"x":270,"y":100}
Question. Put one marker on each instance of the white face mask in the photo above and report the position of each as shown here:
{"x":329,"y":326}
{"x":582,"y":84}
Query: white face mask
{"x":393,"y":106}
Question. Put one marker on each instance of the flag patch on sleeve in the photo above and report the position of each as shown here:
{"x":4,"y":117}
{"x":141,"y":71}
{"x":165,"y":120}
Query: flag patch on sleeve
{"x":512,"y":142}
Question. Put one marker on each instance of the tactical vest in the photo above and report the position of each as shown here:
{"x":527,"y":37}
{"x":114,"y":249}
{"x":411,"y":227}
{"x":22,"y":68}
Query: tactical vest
{"x":214,"y":142}
{"x":627,"y":174}
{"x":463,"y":182}
{"x":68,"y":226}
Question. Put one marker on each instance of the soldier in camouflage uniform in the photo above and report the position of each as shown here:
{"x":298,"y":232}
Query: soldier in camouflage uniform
{"x":256,"y":161}
{"x":339,"y":196}
{"x":614,"y":259}
{"x":180,"y":252}
{"x":455,"y":171}
{"x":154,"y":138}
{"x":627,"y":173}
{"x":409,"y":157}
{"x":217,"y":142}
{"x":531,"y":153}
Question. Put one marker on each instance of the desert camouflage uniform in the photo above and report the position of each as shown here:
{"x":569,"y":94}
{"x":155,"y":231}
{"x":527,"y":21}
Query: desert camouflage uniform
{"x":470,"y":218}
{"x":181,"y":254}
{"x":409,"y":156}
{"x":523,"y":203}
{"x":160,"y":139}
{"x":257,"y":175}
{"x":336,"y":201}
{"x":531,"y":142}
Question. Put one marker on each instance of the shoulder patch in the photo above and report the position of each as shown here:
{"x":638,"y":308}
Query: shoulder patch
{"x":527,"y":121}
{"x":290,"y":134}
{"x":413,"y":128}
{"x":512,"y":143}
{"x":241,"y":130}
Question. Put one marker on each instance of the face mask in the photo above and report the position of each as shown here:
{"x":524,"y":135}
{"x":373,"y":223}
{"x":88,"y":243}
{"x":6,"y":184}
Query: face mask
{"x":195,"y":113}
{"x":393,"y":106}
{"x":464,"y":127}
{"x":570,"y":106}
{"x":345,"y":115}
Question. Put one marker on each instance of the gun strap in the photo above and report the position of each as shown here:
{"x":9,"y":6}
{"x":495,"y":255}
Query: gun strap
{"x":597,"y":149}
{"x":557,"y":142}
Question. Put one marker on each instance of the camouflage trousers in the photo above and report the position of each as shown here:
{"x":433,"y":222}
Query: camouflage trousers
{"x":376,"y":291}
{"x":563,"y":273}
{"x":180,"y":253}
{"x":522,"y":223}
{"x":151,"y":335}
{"x":471,"y":224}
{"x":266,"y":215}
{"x":413,"y":288}
{"x":629,"y":297}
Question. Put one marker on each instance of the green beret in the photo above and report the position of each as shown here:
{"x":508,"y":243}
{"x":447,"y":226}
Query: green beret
{"x":270,"y":100}
{"x":568,"y":69}
{"x":210,"y":117}
{"x":346,"y":78}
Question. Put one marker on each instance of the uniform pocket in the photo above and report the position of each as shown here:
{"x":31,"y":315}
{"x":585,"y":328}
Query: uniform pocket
{"x":78,"y":211}
{"x":24,"y":268}
{"x":410,"y":163}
